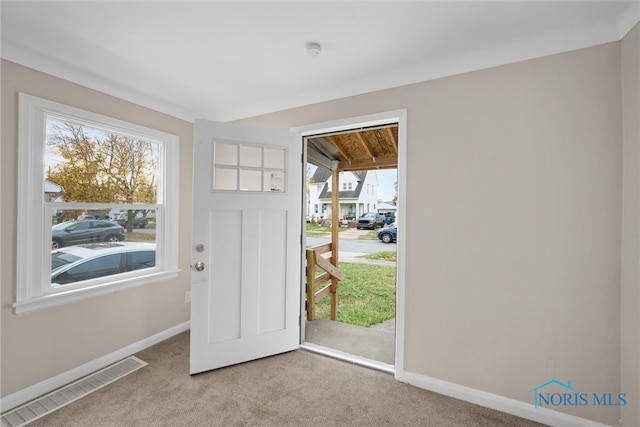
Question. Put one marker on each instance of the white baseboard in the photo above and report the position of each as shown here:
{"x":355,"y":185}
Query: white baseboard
{"x":494,"y":401}
{"x":29,"y":393}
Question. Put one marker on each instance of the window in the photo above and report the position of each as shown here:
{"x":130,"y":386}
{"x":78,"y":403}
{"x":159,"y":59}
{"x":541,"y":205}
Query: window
{"x":90,"y":182}
{"x":242,"y":167}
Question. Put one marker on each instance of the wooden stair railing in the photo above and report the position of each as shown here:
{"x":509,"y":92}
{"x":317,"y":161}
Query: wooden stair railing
{"x":316,"y":261}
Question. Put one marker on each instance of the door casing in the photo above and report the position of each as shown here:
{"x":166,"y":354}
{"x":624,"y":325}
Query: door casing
{"x":354,"y":123}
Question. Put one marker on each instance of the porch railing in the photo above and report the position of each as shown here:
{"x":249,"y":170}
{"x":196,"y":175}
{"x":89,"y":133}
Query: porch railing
{"x":320,"y":271}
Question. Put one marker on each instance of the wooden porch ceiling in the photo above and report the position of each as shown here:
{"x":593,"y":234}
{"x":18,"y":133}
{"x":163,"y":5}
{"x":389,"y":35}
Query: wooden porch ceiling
{"x":364,"y":149}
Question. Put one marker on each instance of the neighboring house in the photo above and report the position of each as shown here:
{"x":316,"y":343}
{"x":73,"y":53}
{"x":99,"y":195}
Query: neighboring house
{"x":358,"y":193}
{"x":388,"y":209}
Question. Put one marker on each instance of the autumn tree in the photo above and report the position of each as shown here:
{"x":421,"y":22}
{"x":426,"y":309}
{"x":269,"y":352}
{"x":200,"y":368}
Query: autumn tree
{"x":99,"y":167}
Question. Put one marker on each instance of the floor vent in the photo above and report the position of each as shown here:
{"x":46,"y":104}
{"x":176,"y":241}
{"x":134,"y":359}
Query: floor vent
{"x":46,"y":404}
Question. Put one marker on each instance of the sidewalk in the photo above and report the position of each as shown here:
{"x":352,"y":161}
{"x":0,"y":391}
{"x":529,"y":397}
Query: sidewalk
{"x":356,"y":257}
{"x":352,"y":233}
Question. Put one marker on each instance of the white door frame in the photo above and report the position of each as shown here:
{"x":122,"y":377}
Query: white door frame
{"x":354,"y":123}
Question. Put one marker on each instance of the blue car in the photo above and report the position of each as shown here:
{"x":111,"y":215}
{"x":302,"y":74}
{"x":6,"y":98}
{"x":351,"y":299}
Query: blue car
{"x":388,"y":235}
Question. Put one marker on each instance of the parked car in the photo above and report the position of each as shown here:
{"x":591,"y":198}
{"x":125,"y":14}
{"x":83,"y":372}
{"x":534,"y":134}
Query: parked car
{"x":93,"y":215}
{"x":138,"y":221}
{"x":388,"y":234}
{"x":93,"y":260}
{"x":85,"y":231}
{"x":86,"y":216}
{"x":370,"y":220}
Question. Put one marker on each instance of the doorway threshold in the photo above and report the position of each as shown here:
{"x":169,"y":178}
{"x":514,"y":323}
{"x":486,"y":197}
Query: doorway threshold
{"x":346,"y":357}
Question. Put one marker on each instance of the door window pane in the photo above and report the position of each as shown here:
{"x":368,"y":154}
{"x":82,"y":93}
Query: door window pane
{"x":226,"y":154}
{"x":274,"y":182}
{"x":250,"y":180}
{"x":251,"y":156}
{"x":274,"y":158}
{"x":258,"y":168}
{"x":225,"y":179}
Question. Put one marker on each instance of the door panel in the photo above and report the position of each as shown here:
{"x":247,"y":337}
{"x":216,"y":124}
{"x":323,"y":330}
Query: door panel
{"x":225,"y":291}
{"x":247,"y":223}
{"x":272,"y":264}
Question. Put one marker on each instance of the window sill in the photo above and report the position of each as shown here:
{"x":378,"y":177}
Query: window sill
{"x":61,"y":298}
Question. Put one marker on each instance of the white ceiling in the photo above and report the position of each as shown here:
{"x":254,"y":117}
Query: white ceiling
{"x":230,"y":60}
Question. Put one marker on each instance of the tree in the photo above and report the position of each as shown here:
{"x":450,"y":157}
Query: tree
{"x":395,"y":196}
{"x":98,"y":167}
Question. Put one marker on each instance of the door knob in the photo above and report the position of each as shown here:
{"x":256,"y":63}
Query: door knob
{"x":199,"y":266}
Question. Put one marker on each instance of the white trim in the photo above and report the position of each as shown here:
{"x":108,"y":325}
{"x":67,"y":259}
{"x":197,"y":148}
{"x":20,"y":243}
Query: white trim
{"x":383,"y":118}
{"x":499,"y":403}
{"x":33,"y":288}
{"x":81,"y":294}
{"x":29,"y":393}
{"x":351,"y":123}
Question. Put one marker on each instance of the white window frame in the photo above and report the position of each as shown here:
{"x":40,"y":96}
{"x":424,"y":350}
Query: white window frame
{"x":33,"y":288}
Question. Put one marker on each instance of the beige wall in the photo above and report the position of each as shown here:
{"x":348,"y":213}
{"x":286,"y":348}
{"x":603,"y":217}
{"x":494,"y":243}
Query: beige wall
{"x":630,"y":372}
{"x":514,"y":211}
{"x":43,"y":344}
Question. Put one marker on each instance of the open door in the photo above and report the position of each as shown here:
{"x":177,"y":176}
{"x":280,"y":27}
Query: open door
{"x":247,"y":251}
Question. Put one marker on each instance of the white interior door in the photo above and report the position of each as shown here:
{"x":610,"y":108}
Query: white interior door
{"x":246,"y":254}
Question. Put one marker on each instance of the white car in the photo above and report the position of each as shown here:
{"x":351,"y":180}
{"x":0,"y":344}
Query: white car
{"x":83,"y":262}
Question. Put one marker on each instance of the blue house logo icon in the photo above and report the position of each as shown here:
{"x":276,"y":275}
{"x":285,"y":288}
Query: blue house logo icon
{"x":537,"y":391}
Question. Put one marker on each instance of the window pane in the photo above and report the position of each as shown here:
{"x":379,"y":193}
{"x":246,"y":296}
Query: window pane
{"x":225,"y":179}
{"x":226,"y":154}
{"x":274,"y":182}
{"x":274,"y":158}
{"x":250,"y":180}
{"x":86,"y":164}
{"x":250,"y":156}
{"x":72,"y":227}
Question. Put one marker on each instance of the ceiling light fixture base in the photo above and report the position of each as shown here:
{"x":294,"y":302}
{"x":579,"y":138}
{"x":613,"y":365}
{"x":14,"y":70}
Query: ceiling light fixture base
{"x":313,"y":49}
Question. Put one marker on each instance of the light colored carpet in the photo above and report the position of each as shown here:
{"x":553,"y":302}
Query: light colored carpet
{"x":292,"y":389}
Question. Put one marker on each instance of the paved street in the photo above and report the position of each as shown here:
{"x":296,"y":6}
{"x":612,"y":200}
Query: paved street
{"x":352,"y":249}
{"x":349,"y":242}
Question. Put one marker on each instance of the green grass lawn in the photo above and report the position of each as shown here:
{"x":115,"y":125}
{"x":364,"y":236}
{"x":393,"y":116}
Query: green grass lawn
{"x":371,"y":235}
{"x":317,"y":231}
{"x":139,"y":237}
{"x":384,"y":256}
{"x":367,"y":295}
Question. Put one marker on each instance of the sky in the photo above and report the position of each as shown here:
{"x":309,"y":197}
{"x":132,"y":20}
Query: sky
{"x":386,"y":181}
